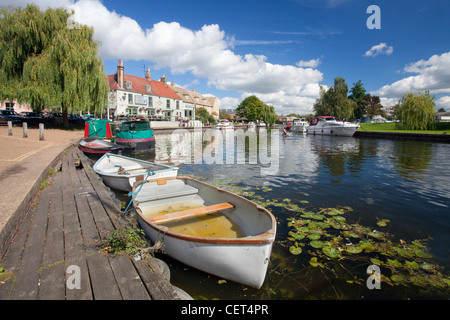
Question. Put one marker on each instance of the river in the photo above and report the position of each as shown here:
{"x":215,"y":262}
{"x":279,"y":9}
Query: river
{"x":406,"y":182}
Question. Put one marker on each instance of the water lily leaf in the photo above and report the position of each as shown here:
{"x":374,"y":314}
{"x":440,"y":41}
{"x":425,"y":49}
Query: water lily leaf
{"x":298,"y":236}
{"x":383,"y":222}
{"x":331,"y":252}
{"x":412,"y":264}
{"x":295,"y":250}
{"x":304,"y":201}
{"x":354,"y":249}
{"x":376,"y":261}
{"x":313,"y":262}
{"x":339,"y":218}
{"x":350,"y":234}
{"x":314,"y":236}
{"x":375,"y":234}
{"x":405,"y":253}
{"x":317,"y":244}
{"x":394,"y":263}
{"x":399,"y":278}
{"x":422,"y":254}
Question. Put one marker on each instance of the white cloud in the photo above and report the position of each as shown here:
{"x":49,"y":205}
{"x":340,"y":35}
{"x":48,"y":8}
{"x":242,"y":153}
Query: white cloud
{"x":443,"y":102}
{"x":229,"y":103}
{"x":381,"y":48}
{"x":432,"y":74}
{"x":313,"y":63}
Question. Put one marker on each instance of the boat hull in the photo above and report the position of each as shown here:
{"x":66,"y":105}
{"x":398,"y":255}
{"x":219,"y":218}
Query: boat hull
{"x":347,"y":131}
{"x":242,"y":259}
{"x":92,"y":147}
{"x":107,"y":167}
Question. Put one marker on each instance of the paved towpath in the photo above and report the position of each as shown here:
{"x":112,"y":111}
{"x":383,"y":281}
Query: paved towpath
{"x":46,"y":233}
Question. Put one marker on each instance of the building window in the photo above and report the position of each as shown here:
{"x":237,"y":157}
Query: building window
{"x":132,"y":111}
{"x":130,"y":98}
{"x":129,"y":85}
{"x":150,"y":102}
{"x":178,"y":105}
{"x":168,"y":104}
{"x":148,"y":88}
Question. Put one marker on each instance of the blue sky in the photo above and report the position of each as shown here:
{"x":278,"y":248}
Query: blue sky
{"x":280,"y":51}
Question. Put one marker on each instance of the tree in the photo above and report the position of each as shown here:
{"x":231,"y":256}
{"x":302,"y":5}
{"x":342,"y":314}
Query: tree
{"x":357,"y":95}
{"x":416,"y":112}
{"x":60,"y":66}
{"x":373,"y":105}
{"x":334,"y":101}
{"x":268,"y":115}
{"x":250,"y":108}
{"x":203,"y":115}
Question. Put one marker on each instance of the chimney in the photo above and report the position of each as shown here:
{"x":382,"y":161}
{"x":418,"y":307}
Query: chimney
{"x":148,"y":75}
{"x":120,"y":69}
{"x":193,"y":89}
{"x":164,"y":79}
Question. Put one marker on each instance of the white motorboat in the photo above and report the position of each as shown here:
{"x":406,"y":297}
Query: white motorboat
{"x":224,"y":124}
{"x":331,"y":126}
{"x":120,"y":173}
{"x":207,"y":228}
{"x":299,"y":126}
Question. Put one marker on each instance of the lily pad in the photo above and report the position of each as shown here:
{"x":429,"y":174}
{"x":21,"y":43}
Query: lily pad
{"x":350,"y":234}
{"x":314,"y":236}
{"x":295,"y":250}
{"x":313,"y":262}
{"x":317,"y":244}
{"x":422,"y":254}
{"x":354,"y":249}
{"x":331,"y":252}
{"x":375,"y":234}
{"x":383,"y":222}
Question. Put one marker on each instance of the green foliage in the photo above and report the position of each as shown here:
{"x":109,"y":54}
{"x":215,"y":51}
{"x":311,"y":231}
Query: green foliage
{"x":416,"y":112}
{"x":203,"y":115}
{"x":127,"y":239}
{"x":44,"y":62}
{"x":334,"y":101}
{"x":250,"y":108}
{"x":357,"y":94}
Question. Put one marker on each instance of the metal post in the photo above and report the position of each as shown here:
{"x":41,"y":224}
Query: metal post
{"x":25,"y":129}
{"x":10,"y":128}
{"x":41,"y":131}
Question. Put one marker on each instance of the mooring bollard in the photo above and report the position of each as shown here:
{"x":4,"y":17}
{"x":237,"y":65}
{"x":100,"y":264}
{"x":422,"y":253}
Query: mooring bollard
{"x":25,"y":129}
{"x":9,"y":128}
{"x":41,"y":131}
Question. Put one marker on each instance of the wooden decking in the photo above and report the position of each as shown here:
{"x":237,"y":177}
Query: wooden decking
{"x":62,"y":232}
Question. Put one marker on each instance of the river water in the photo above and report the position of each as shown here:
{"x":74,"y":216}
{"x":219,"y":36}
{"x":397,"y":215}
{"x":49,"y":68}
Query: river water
{"x":404,"y":181}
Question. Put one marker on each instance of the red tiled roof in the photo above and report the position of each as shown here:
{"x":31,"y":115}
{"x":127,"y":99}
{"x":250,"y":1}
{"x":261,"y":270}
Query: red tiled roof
{"x":139,"y":85}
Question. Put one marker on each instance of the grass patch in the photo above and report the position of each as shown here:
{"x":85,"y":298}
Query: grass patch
{"x":390,"y":127}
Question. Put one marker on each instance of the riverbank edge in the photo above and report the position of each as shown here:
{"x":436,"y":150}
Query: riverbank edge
{"x":445,"y":138}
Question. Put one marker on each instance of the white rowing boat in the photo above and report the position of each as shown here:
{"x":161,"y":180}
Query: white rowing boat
{"x":120,"y":172}
{"x":207,"y":228}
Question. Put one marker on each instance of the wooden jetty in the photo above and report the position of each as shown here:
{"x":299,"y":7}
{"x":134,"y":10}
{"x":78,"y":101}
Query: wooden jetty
{"x":63,"y":230}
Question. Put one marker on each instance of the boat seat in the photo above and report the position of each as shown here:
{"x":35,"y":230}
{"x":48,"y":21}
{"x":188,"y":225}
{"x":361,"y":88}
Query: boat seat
{"x":172,"y":189}
{"x":190,"y":213}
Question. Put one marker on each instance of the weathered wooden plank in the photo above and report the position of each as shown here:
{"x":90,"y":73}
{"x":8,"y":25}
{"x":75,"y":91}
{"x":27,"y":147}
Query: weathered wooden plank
{"x":52,"y":284}
{"x":130,"y":284}
{"x":104,"y":285}
{"x":158,"y":287}
{"x":27,"y":282}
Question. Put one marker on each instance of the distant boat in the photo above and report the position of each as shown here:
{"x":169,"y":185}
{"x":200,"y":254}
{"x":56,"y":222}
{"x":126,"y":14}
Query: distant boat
{"x":299,"y":126}
{"x":331,"y":126}
{"x":135,"y":135}
{"x":120,"y":172}
{"x":224,"y":124}
{"x":207,"y":228}
{"x":261,"y":124}
{"x":95,"y":148}
{"x":251,"y":124}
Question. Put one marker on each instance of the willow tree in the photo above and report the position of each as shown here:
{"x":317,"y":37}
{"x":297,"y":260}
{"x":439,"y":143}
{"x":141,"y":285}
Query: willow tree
{"x":24,"y":33}
{"x":268,"y":115}
{"x":71,"y":70}
{"x":416,"y":112}
{"x":58,"y":65}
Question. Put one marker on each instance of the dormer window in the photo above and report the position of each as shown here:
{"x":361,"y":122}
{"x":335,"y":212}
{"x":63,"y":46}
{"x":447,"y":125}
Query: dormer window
{"x":148,"y":88}
{"x":129,"y":85}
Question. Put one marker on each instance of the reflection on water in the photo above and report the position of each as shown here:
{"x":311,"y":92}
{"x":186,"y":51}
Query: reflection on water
{"x":406,"y":182}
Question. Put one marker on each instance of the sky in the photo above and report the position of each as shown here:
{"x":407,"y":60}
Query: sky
{"x":282,"y":51}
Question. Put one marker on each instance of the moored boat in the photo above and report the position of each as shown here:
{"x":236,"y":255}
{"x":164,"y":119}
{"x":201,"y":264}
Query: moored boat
{"x":224,"y":124}
{"x":331,"y":126}
{"x":207,"y":228}
{"x":95,"y":148}
{"x":120,"y":172}
{"x":135,"y":135}
{"x":299,"y":126}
